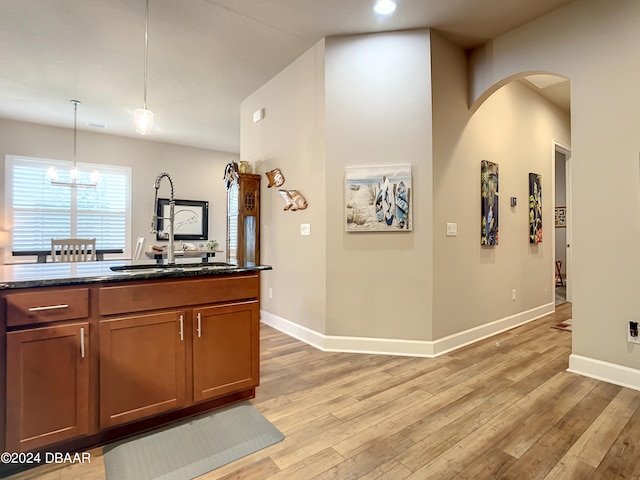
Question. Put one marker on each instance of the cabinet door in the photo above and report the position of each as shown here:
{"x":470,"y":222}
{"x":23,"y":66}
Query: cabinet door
{"x":47,"y":386}
{"x":142,"y":366}
{"x":226,"y":349}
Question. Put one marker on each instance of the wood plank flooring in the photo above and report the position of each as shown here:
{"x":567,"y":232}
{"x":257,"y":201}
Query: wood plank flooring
{"x":502,"y":408}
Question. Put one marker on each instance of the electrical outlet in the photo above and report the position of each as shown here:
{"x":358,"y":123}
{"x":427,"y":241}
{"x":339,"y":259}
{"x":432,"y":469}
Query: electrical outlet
{"x":270,"y":292}
{"x":513,"y":294}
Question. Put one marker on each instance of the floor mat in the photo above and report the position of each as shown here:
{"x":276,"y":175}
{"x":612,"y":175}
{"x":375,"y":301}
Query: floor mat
{"x":566,"y":325}
{"x":191,"y":448}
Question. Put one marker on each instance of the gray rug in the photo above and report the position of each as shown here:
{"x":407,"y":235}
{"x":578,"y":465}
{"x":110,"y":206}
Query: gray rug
{"x":191,"y":448}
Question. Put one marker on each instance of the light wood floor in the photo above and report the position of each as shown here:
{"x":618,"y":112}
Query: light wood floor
{"x":501,"y":408}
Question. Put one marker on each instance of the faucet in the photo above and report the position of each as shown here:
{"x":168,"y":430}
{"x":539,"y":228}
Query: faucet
{"x":171,"y":217}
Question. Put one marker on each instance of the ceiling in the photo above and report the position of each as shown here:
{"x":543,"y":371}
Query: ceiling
{"x":205,"y":56}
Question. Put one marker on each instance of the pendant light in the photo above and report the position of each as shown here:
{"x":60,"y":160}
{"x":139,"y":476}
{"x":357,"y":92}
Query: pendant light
{"x":143,"y":117}
{"x":74,"y":173}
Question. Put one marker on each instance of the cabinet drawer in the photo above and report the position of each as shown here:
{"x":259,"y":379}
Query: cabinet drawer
{"x":47,"y":306}
{"x":171,"y":294}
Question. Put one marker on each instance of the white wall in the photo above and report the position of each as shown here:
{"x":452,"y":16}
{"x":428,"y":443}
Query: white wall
{"x":367,"y":100}
{"x":590,"y":42}
{"x":378,"y":104}
{"x":514,"y":128}
{"x":197,"y":173}
{"x":291,"y":138}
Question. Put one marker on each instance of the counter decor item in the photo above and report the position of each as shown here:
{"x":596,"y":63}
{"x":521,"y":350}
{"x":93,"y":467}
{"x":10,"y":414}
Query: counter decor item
{"x":378,"y":198}
{"x":212,"y":245}
{"x":245,"y":167}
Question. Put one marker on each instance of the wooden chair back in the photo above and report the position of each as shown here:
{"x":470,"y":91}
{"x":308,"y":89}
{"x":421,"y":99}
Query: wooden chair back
{"x":73,"y":250}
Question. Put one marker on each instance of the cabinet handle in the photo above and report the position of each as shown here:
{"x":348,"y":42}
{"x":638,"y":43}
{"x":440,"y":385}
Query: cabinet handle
{"x":199,"y":325}
{"x":82,"y":342}
{"x":181,"y":327}
{"x":48,"y":307}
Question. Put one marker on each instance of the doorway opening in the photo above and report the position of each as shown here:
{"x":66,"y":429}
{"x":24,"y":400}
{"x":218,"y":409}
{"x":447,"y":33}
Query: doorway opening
{"x":562,"y":256}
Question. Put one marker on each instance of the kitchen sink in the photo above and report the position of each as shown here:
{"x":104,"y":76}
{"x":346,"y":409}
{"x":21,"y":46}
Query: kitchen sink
{"x":175,"y":267}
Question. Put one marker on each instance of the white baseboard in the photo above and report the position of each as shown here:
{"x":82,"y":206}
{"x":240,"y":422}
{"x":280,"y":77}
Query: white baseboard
{"x":390,"y":346}
{"x":605,"y":371}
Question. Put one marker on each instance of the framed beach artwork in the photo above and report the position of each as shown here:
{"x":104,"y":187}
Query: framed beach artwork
{"x":489,"y":203}
{"x":191,"y":217}
{"x":378,"y":199}
{"x":535,"y":208}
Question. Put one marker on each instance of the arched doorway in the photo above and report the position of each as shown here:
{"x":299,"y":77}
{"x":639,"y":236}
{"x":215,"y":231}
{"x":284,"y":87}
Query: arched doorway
{"x":555,"y":90}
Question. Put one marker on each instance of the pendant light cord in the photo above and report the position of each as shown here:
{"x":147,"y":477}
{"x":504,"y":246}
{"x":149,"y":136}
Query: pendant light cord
{"x":146,"y":52}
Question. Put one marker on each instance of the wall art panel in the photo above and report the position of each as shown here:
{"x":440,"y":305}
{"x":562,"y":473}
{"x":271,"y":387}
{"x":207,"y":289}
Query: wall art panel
{"x":489,"y":200}
{"x":378,"y":199}
{"x":535,"y":208}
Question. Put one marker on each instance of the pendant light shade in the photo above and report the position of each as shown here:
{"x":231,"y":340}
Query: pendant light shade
{"x":144,"y":120}
{"x":143,"y":117}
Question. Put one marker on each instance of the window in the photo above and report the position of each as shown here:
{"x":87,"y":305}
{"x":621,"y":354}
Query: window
{"x":39,"y":211}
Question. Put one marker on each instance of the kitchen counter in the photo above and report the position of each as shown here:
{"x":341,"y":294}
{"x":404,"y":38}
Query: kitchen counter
{"x":89,"y":354}
{"x":60,"y":274}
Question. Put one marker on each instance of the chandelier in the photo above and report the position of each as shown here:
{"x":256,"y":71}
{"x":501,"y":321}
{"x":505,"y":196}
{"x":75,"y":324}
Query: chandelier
{"x":74,"y":173}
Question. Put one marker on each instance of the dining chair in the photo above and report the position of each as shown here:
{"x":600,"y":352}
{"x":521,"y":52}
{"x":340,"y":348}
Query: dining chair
{"x":73,"y":250}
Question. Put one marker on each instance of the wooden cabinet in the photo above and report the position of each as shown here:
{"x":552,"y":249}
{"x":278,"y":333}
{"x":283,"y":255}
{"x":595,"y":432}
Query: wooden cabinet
{"x":225,"y":346}
{"x":163,"y":349}
{"x":200,"y":342}
{"x":47,"y":386}
{"x":142,"y":366}
{"x":243,"y":220}
{"x":144,"y":361}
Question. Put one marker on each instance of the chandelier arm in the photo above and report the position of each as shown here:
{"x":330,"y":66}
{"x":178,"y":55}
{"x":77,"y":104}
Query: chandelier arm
{"x":75,"y":127}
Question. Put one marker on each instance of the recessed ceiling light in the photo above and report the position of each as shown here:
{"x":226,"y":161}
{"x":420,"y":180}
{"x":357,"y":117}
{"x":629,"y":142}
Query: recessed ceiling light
{"x":384,"y":7}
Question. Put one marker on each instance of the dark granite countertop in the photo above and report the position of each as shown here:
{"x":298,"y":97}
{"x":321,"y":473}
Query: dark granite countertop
{"x":59,"y":274}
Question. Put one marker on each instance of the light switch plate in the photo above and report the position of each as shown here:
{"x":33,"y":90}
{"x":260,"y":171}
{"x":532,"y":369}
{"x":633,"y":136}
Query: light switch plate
{"x":305,"y":229}
{"x":452,"y":229}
